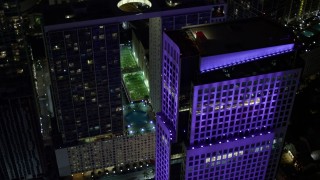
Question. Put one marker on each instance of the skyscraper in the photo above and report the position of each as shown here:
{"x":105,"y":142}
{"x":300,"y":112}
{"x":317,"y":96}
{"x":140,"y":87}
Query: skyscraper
{"x":86,"y":81}
{"x":83,"y":48}
{"x":299,"y":10}
{"x":84,"y":59}
{"x":227,"y":95}
{"x":250,"y":8}
{"x":172,"y":20}
{"x":21,"y":151}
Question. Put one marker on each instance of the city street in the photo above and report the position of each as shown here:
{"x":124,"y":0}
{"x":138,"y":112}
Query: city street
{"x":137,"y":175}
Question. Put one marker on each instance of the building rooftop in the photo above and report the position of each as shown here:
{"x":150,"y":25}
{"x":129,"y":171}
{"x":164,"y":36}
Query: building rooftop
{"x":235,"y":49}
{"x":101,"y":9}
{"x":132,"y":76}
{"x":14,"y":77}
{"x":214,"y":39}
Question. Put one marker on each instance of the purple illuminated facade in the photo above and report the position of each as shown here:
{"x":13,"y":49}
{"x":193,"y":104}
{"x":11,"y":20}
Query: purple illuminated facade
{"x":170,"y":81}
{"x":245,"y":158}
{"x":163,"y":144}
{"x":225,"y":60}
{"x":239,"y":110}
{"x":241,"y":106}
{"x":237,"y":117}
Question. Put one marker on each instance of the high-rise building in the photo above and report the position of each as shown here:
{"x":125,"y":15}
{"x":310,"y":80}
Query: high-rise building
{"x":84,"y":60}
{"x":21,"y":151}
{"x":250,"y":8}
{"x":299,"y":10}
{"x":284,"y":11}
{"x":227,"y":95}
{"x":83,"y":46}
{"x":86,"y":81}
{"x":107,"y":155}
{"x":172,"y":20}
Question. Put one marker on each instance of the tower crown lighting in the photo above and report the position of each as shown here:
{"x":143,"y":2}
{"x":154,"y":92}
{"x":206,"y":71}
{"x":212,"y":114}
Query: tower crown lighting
{"x":134,"y":5}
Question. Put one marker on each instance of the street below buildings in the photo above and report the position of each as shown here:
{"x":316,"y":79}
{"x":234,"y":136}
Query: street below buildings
{"x":136,"y":175}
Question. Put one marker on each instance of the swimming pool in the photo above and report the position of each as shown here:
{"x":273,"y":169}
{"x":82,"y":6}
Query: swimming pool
{"x":307,"y":33}
{"x":138,"y":122}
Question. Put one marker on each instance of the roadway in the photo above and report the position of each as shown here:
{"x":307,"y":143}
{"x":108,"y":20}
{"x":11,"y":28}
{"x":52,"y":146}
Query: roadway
{"x":136,"y":175}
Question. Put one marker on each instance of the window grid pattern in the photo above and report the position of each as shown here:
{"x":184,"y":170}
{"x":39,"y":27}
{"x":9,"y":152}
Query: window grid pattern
{"x":20,"y":155}
{"x":170,"y":80}
{"x":277,"y":147}
{"x":162,"y":150}
{"x":85,"y":73}
{"x":237,"y":160}
{"x":113,"y":152}
{"x":242,"y":106}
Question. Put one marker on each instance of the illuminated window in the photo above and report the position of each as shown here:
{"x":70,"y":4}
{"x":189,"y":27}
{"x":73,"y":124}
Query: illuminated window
{"x":114,"y":36}
{"x":224,"y":156}
{"x":3,"y":54}
{"x":56,"y":47}
{"x":240,"y":153}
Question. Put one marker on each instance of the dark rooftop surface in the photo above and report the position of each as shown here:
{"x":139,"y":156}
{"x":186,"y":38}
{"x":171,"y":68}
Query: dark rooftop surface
{"x":229,"y":37}
{"x":16,"y":80}
{"x":99,"y":9}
